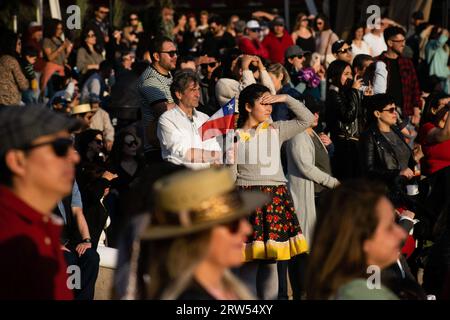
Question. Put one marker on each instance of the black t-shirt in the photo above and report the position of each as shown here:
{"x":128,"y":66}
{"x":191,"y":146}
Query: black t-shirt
{"x":394,"y":85}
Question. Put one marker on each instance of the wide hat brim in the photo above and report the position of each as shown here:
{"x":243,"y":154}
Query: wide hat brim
{"x":250,"y":201}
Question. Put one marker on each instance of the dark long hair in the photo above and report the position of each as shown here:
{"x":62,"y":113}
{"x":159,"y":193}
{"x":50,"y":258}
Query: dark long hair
{"x":249,"y":95}
{"x":116,"y":155}
{"x":346,"y":218}
{"x":83,"y":41}
{"x":8,"y":43}
{"x":334,"y":73}
{"x":326,"y":22}
{"x":50,"y":28}
{"x":82,"y":142}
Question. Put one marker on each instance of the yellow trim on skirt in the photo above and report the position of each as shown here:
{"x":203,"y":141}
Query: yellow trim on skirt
{"x":275,"y":250}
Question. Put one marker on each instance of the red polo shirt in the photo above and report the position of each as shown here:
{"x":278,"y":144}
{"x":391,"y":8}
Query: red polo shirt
{"x":32,"y":265}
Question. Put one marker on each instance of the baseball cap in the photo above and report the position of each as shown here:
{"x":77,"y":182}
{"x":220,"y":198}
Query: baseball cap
{"x":253,"y":24}
{"x":337,"y":46}
{"x":294,"y":51}
{"x":278,"y":21}
{"x":21,"y":125}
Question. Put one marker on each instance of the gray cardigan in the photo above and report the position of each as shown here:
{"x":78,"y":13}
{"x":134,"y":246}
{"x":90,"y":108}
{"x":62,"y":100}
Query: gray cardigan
{"x":302,"y":173}
{"x":258,"y":161}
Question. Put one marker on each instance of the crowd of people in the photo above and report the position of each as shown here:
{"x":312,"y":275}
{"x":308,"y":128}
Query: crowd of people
{"x":336,"y":160}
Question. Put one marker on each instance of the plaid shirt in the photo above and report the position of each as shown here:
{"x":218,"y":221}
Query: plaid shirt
{"x":410,"y":84}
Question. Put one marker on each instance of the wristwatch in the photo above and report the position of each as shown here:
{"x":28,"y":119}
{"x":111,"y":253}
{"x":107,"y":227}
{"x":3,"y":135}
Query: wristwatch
{"x":87,"y":240}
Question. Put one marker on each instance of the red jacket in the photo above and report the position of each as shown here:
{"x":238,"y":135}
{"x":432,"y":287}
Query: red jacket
{"x":32,"y":264}
{"x":253,"y":47}
{"x":277,"y":46}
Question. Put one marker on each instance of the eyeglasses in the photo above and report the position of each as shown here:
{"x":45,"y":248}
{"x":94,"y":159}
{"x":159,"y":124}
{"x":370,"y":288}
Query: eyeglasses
{"x":390,"y":110}
{"x":402,"y":40}
{"x":347,"y":50}
{"x":131,"y":143}
{"x":171,"y":54}
{"x":99,"y":142}
{"x":233,"y":226}
{"x":60,"y":146}
{"x":103,"y":12}
{"x":211,"y":65}
{"x":255,"y":29}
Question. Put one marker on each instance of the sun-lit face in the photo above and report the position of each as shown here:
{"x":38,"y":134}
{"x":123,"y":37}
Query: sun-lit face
{"x":383,"y":248}
{"x":388,"y":115}
{"x":259,"y":112}
{"x":45,"y":170}
{"x":227,"y":243}
{"x":190,"y":98}
{"x":346,"y":75}
{"x":397,"y":43}
{"x":168,"y":56}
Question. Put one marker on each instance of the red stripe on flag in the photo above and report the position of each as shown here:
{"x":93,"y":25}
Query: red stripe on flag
{"x":217,"y":127}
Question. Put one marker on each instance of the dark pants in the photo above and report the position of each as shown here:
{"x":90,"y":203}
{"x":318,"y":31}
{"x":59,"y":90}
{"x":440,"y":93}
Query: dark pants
{"x":296,"y":267}
{"x":89,"y":266}
{"x":345,"y":162}
{"x":153,"y":156}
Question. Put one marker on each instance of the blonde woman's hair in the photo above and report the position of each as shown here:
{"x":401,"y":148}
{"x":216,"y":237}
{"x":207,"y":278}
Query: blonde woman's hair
{"x":173,"y":263}
{"x":277,"y":69}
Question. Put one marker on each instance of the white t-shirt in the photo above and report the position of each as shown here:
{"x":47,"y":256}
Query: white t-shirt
{"x":376,"y":43}
{"x":364,"y":49}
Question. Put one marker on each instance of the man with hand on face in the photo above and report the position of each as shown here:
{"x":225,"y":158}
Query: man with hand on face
{"x":37,"y":169}
{"x":154,"y":88}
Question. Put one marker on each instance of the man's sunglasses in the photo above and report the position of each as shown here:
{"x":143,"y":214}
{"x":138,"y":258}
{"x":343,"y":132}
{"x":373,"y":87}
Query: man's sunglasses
{"x":390,"y":110}
{"x":171,"y":54}
{"x":300,"y":56}
{"x":104,"y":12}
{"x":60,"y":146}
{"x":348,"y":50}
{"x":211,"y":65}
{"x":255,"y":29}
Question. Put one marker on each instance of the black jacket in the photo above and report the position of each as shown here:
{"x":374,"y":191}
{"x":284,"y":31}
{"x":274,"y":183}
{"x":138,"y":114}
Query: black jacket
{"x":379,"y":160}
{"x":344,"y":114}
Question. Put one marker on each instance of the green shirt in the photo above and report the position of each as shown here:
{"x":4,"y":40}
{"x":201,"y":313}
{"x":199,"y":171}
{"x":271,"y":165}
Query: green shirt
{"x":357,"y":290}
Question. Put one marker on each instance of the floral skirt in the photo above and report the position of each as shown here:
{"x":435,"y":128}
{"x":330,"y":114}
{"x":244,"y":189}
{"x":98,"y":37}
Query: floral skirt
{"x":276,"y":231}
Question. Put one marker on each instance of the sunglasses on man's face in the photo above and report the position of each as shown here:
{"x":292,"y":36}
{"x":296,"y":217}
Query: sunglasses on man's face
{"x":255,"y":29}
{"x":60,"y":146}
{"x":211,"y":65}
{"x":347,"y":50}
{"x":390,"y":110}
{"x":171,"y":54}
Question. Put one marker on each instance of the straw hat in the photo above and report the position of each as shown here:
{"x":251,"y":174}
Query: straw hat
{"x":192,"y":201}
{"x":82,"y":108}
